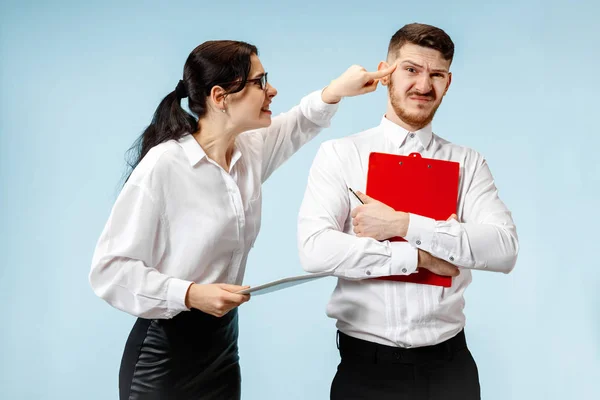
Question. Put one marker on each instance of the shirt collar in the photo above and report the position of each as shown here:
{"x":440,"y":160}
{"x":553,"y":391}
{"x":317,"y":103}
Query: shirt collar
{"x":192,"y":149}
{"x":195,"y":153}
{"x":398,"y":134}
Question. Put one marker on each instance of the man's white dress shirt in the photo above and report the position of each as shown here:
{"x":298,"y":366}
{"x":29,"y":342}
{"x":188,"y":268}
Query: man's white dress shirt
{"x":397,"y":313}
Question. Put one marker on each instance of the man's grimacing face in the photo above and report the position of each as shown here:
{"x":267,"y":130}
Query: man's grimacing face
{"x":416,"y":88}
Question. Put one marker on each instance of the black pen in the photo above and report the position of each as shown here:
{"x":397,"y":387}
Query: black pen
{"x":361,"y":202}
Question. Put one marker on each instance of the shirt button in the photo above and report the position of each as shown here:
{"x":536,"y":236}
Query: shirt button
{"x":451,"y":258}
{"x":412,"y":135}
{"x":418,"y":242}
{"x":368,"y":272}
{"x":404,"y":270}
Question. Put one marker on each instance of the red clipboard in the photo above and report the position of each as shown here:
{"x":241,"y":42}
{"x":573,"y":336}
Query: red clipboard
{"x":422,"y":186}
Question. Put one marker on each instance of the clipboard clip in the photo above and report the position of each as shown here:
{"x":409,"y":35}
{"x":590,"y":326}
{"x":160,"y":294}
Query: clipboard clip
{"x":418,"y":156}
{"x":413,"y":155}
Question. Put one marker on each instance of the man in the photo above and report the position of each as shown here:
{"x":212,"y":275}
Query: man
{"x":402,"y":340}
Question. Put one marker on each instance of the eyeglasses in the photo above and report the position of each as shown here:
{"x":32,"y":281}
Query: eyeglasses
{"x":261,"y":81}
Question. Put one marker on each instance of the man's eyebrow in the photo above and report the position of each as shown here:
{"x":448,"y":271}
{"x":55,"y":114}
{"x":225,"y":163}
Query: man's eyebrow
{"x":412,"y":63}
{"x":420,"y":66}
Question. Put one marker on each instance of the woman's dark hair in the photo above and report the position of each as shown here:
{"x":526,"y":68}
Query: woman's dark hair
{"x":226,"y":63}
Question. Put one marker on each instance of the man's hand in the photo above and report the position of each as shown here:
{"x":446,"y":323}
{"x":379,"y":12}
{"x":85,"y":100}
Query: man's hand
{"x":377,"y":220}
{"x":356,"y":80}
{"x":436,"y":265}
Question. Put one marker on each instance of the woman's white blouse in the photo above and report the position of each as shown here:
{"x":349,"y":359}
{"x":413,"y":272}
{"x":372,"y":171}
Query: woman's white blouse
{"x":181,"y":218}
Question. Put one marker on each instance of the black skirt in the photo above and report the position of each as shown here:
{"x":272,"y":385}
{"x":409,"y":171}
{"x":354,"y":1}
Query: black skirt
{"x":191,"y":356}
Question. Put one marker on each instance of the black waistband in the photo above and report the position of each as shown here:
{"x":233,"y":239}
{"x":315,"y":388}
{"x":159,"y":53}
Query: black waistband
{"x":353,"y":349}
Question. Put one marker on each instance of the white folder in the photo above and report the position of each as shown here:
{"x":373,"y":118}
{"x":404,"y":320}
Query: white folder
{"x":283,"y":283}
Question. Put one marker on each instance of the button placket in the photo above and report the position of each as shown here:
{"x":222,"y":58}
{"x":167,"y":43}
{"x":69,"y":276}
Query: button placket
{"x":236,"y":197}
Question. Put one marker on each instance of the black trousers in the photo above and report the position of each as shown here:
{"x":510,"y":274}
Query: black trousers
{"x":191,"y":356}
{"x":372,"y":371}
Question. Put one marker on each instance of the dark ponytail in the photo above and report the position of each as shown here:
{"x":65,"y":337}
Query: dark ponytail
{"x":226,"y":63}
{"x":170,"y":121}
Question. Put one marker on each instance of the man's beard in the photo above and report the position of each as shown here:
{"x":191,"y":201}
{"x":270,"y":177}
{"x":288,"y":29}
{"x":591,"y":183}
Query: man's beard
{"x":416,"y":120}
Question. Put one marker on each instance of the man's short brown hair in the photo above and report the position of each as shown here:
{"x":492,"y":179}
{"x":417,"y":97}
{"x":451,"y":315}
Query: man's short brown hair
{"x":422,"y":35}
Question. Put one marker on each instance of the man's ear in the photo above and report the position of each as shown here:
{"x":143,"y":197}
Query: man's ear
{"x":449,"y":82}
{"x":383,"y":65}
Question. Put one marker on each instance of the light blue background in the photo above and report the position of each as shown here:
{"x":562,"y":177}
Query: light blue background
{"x":80,"y":80}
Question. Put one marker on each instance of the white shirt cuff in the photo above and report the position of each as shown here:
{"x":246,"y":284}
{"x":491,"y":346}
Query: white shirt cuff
{"x":404,"y":258}
{"x":316,"y":110}
{"x":176,"y":295}
{"x":420,"y":232}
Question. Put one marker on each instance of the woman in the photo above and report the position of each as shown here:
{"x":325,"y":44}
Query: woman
{"x":174,"y":249}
